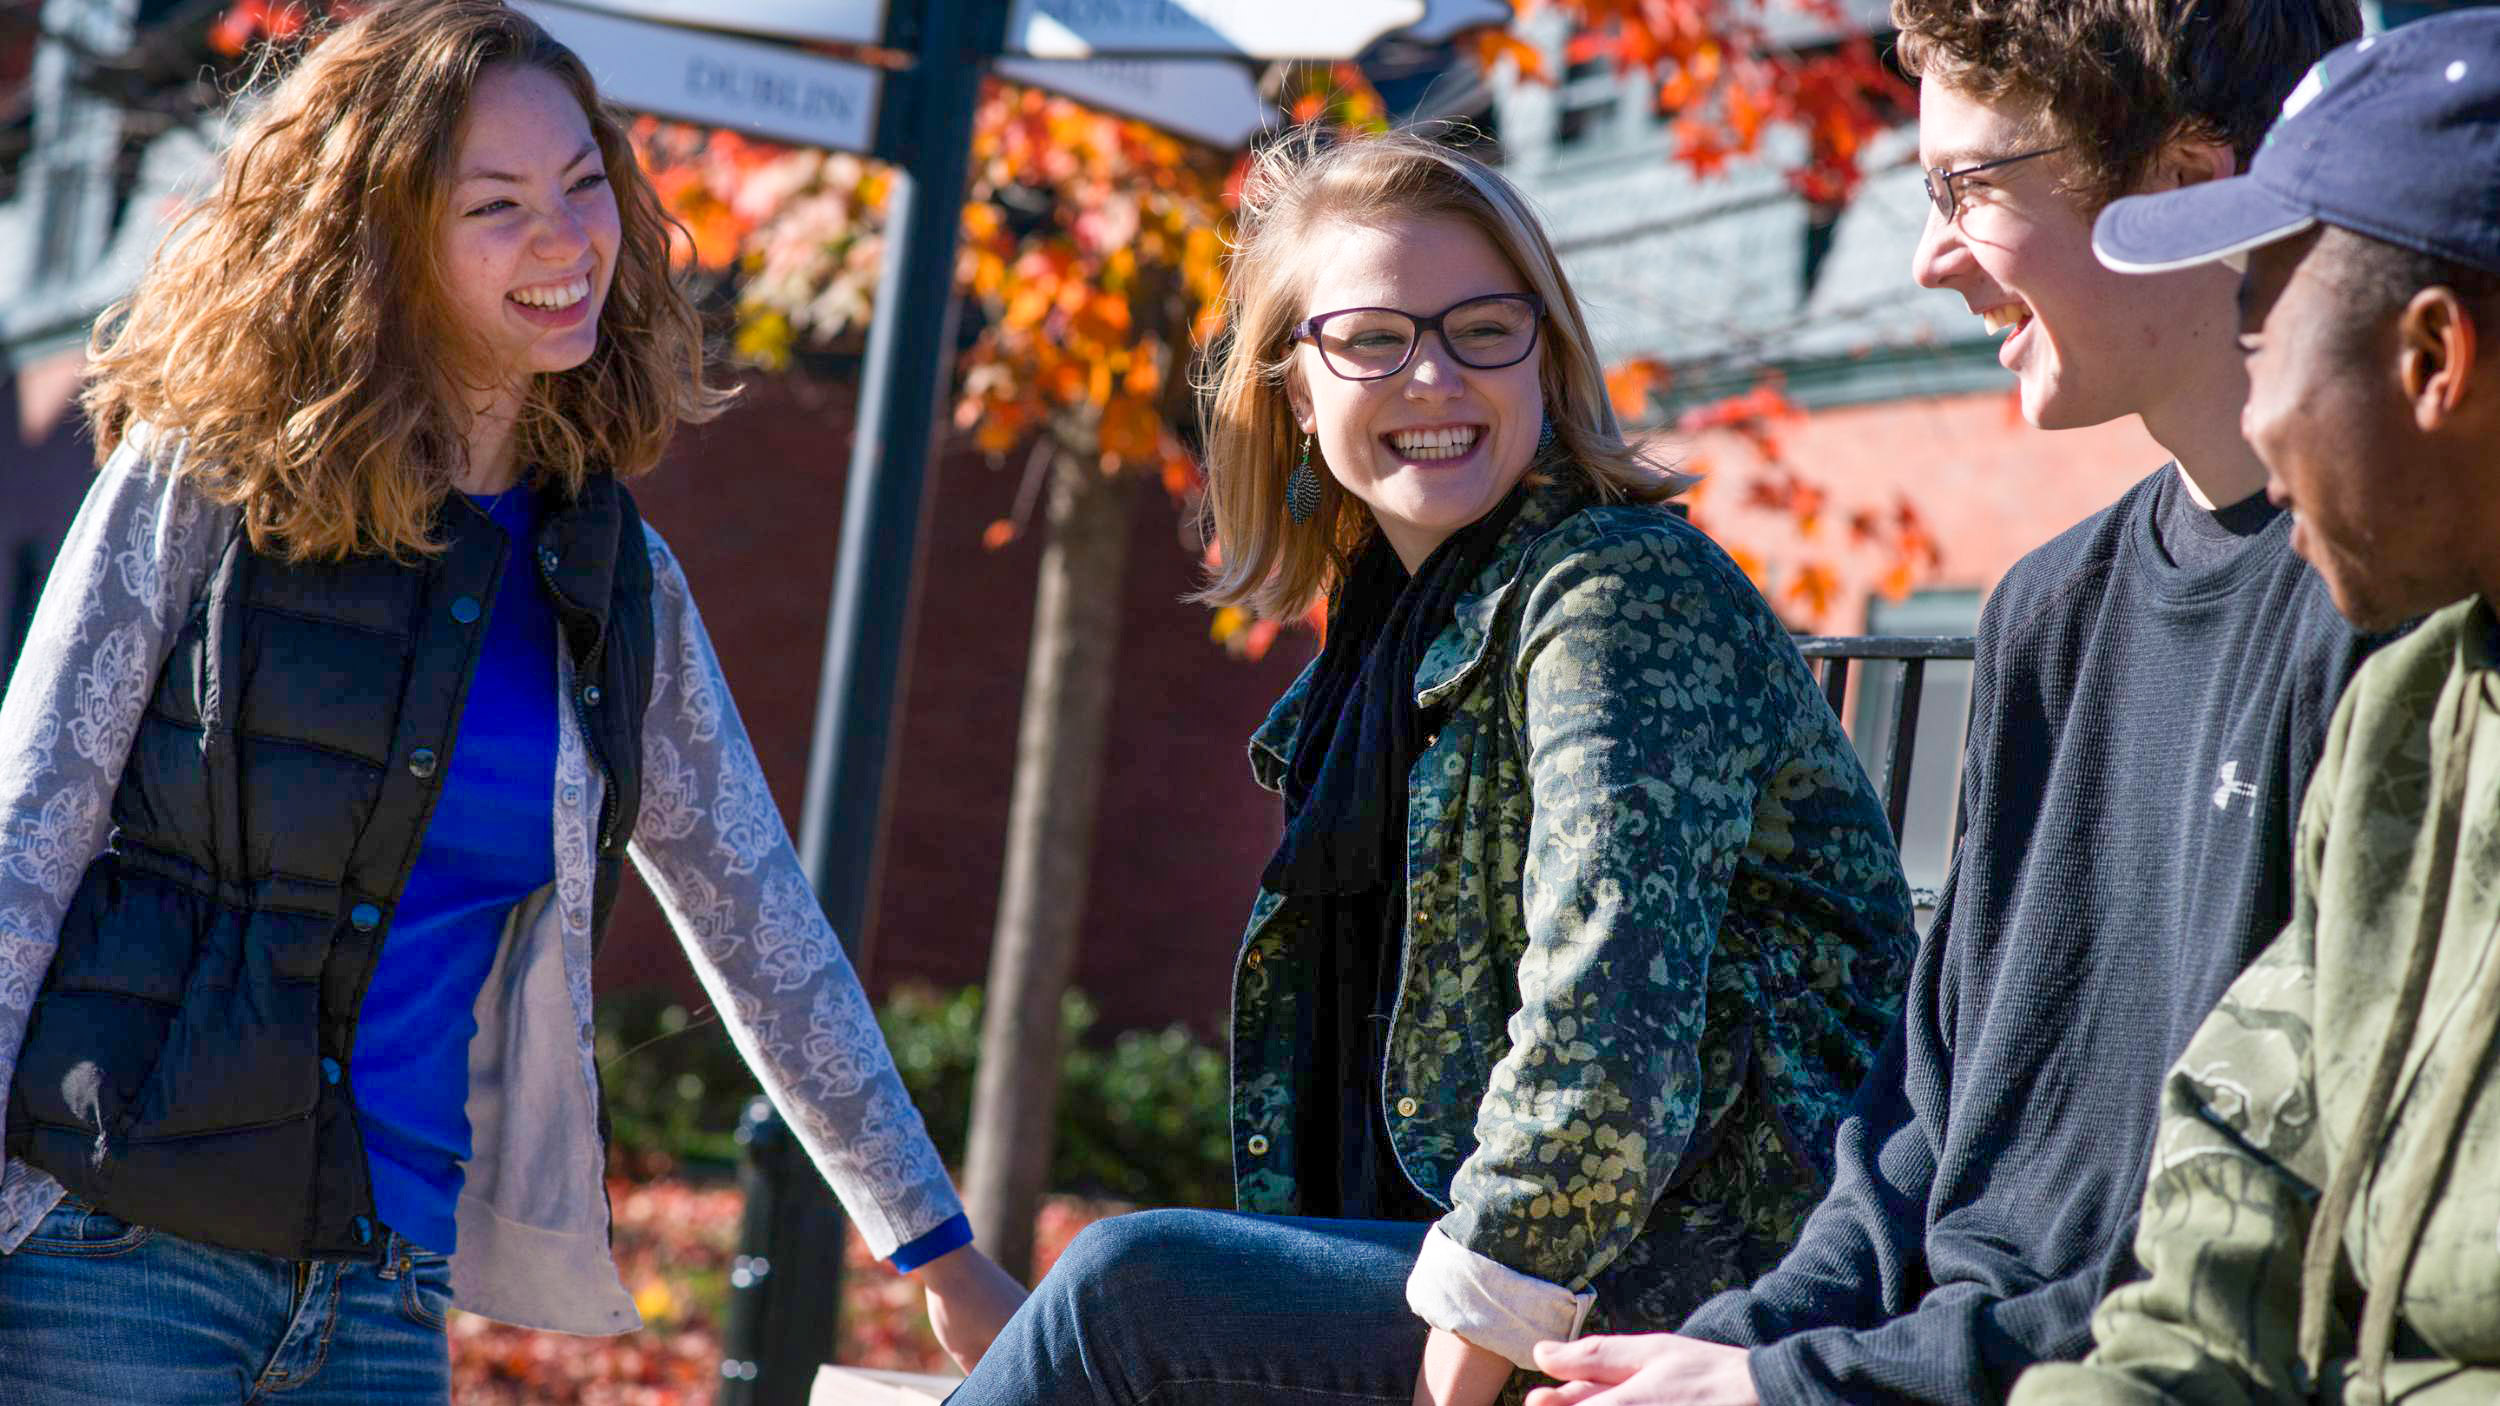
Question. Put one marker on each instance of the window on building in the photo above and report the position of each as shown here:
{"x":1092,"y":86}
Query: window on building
{"x":2392,"y":13}
{"x":1927,"y":828}
{"x":1587,"y":101}
{"x":56,"y":216}
{"x":1822,"y":222}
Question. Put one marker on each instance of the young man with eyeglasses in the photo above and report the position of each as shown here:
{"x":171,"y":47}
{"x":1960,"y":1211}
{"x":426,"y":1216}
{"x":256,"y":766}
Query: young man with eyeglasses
{"x":2150,"y":695}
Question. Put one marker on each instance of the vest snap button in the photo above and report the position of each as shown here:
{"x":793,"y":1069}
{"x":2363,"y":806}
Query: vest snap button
{"x":365,"y":916}
{"x":329,"y":1071}
{"x":1407,"y":1107}
{"x":421,"y":762}
{"x":465,"y":610}
{"x":1258,"y":1144}
{"x":548,"y":558}
{"x":591,"y":695}
{"x":1252,"y":961}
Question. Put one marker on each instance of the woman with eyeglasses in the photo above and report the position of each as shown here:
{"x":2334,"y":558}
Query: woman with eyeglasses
{"x":1585,"y":920}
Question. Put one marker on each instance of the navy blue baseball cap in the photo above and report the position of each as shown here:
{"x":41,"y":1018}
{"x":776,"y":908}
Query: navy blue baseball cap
{"x":2395,"y":136}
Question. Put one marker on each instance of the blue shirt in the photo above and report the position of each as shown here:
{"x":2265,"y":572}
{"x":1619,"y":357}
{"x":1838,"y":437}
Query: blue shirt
{"x":489,"y":845}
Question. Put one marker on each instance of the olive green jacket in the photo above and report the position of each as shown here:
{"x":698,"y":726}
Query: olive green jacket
{"x":1656,"y":931}
{"x":2263,"y":1107}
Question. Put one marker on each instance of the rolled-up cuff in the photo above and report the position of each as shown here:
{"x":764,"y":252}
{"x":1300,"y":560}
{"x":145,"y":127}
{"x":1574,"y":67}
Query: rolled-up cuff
{"x":1490,"y":1304}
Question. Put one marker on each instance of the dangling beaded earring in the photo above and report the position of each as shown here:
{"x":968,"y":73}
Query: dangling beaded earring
{"x":1302,"y":487}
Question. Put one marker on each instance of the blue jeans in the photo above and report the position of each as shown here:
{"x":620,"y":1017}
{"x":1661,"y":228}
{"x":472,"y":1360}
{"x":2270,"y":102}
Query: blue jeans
{"x":95,"y":1311}
{"x":1214,"y":1308}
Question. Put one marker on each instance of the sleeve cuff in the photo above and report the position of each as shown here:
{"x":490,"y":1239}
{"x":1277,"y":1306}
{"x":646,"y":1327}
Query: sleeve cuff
{"x":1490,"y":1304}
{"x":945,"y":1240}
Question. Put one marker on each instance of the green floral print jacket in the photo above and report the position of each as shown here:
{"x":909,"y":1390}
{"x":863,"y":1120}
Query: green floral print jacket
{"x":1656,"y":931}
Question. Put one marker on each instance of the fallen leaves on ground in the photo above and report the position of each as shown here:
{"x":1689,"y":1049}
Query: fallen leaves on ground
{"x":674,"y":1243}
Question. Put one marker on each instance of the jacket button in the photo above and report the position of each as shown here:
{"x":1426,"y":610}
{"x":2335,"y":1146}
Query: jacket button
{"x":1258,"y":1144}
{"x":1407,"y":1107}
{"x":465,"y":610}
{"x":1252,"y":961}
{"x":548,"y":557}
{"x":421,"y":762}
{"x":329,"y":1071}
{"x":363,"y":1226}
{"x":591,"y":695}
{"x":365,"y":916}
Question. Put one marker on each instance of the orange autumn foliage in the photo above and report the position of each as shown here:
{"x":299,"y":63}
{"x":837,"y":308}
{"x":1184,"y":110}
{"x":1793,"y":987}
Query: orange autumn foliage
{"x":1803,"y":584}
{"x":1092,"y":258}
{"x":1726,"y":80}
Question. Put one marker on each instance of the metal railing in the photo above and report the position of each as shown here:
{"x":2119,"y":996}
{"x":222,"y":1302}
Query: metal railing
{"x":1896,"y":750}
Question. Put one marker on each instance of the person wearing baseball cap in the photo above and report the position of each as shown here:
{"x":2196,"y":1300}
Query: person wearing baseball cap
{"x":2321,"y":1208}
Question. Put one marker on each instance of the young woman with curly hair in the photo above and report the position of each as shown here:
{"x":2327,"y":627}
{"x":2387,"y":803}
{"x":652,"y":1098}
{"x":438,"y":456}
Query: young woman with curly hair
{"x":1584,"y":921}
{"x":358,"y":680}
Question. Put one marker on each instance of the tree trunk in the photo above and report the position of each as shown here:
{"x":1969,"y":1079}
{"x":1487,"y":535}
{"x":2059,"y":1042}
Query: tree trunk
{"x":1050,"y":844}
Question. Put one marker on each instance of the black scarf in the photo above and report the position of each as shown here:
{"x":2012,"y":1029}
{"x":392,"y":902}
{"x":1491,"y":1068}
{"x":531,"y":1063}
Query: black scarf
{"x":1345,"y":790}
{"x":1345,"y":848}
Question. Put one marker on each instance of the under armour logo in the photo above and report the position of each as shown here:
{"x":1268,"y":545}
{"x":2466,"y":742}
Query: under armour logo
{"x":2228,"y":785}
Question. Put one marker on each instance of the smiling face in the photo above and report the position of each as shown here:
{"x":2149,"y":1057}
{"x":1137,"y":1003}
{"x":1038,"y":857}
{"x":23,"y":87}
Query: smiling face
{"x":529,"y":234}
{"x":1436,"y":446}
{"x":2387,"y":491}
{"x":2086,"y":344}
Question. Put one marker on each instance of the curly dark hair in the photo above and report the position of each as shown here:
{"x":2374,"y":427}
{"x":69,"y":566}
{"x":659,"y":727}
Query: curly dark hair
{"x":2117,"y":79}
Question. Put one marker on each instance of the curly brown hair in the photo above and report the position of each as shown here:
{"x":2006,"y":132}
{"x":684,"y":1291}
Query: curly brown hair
{"x":291,"y":324}
{"x":2118,"y":79}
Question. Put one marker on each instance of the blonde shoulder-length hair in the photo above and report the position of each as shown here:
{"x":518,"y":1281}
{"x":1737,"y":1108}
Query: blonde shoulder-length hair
{"x":292,"y":323}
{"x":1294,"y":191}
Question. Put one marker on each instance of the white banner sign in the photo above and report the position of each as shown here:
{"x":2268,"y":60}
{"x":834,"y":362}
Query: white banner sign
{"x":1258,"y":29}
{"x":840,"y":21}
{"x":1206,"y":100}
{"x":1443,"y":18}
{"x":762,"y":89}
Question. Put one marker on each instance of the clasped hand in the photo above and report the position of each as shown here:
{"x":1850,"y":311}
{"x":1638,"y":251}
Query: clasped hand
{"x":1644,"y":1369}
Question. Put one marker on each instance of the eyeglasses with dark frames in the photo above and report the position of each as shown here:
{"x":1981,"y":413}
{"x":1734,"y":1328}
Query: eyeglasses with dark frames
{"x":1940,"y":181}
{"x":1368,"y":344}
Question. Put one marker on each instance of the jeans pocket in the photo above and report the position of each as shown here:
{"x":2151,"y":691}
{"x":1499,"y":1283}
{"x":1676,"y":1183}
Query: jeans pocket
{"x":76,"y":1228}
{"x":425,"y":1291}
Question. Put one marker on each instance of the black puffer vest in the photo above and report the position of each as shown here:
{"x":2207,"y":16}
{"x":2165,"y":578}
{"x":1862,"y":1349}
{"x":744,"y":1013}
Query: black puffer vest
{"x":185,"y":1065}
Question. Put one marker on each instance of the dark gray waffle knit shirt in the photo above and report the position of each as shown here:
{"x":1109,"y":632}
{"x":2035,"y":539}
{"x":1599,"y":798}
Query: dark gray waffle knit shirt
{"x":2142,"y":729}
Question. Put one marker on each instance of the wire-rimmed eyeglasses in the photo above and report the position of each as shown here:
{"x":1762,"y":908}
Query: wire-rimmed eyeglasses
{"x":1366,"y":344}
{"x":1940,"y":181}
